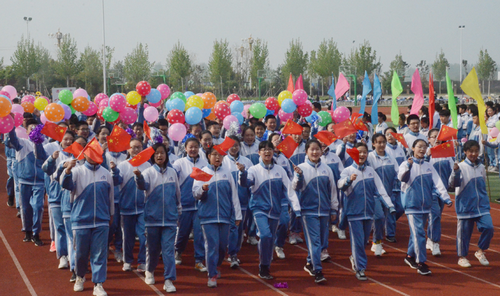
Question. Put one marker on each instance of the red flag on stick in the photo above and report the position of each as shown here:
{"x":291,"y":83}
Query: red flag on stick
{"x":75,"y":149}
{"x":119,"y":140}
{"x":54,"y":131}
{"x":147,"y":130}
{"x":226,"y":144}
{"x":94,"y":151}
{"x":326,"y":137}
{"x":431,"y":100}
{"x":447,"y":133}
{"x":344,"y":128}
{"x":200,"y":175}
{"x":142,"y":157}
{"x":287,"y":146}
{"x":444,"y":150}
{"x":354,"y":154}
{"x":292,"y":128}
{"x":400,"y":138}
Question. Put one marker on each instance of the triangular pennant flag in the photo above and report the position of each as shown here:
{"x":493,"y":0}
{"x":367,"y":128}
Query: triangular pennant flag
{"x":377,"y":94}
{"x":142,"y":157}
{"x":226,"y":144}
{"x":94,"y":151}
{"x":75,"y":149}
{"x":354,"y":154}
{"x":292,"y":128}
{"x":287,"y":146}
{"x":416,"y":88}
{"x":54,"y":131}
{"x":470,"y":86}
{"x":342,"y":86}
{"x":331,"y":93}
{"x":290,"y":84}
{"x":444,"y":150}
{"x":147,"y":130}
{"x":299,"y":84}
{"x":367,"y":88}
{"x":447,"y":133}
{"x":432,"y":104}
{"x":325,"y":137}
{"x":452,"y":105}
{"x":400,"y":138}
{"x":118,"y":140}
{"x":396,"y":90}
{"x":344,"y":128}
{"x":200,"y":175}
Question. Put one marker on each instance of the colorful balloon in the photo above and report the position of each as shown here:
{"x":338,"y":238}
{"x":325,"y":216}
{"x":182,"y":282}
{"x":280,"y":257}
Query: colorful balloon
{"x":5,"y":106}
{"x":118,"y":102}
{"x":4,"y":93}
{"x":206,"y":112}
{"x":194,"y":101}
{"x":18,"y":119}
{"x":177,"y":131}
{"x":133,"y":98}
{"x":258,"y":110}
{"x":28,"y":107}
{"x":16,"y":108}
{"x":128,"y":115}
{"x":99,"y":98}
{"x":188,"y":94}
{"x":236,"y":106}
{"x":154,"y":96}
{"x":177,"y":104}
{"x":175,"y":116}
{"x":80,"y":104}
{"x":28,"y":98}
{"x":232,"y":97}
{"x":21,"y":133}
{"x":284,"y":116}
{"x":209,"y":100}
{"x":99,"y":113}
{"x":65,"y":96}
{"x":288,"y":106}
{"x":221,"y":110}
{"x":324,"y":118}
{"x":67,"y":110}
{"x":494,"y":132}
{"x":80,"y":93}
{"x":299,"y":97}
{"x":143,"y":88}
{"x":11,"y":90}
{"x":90,"y":111}
{"x":164,"y":91}
{"x":104,"y":103}
{"x":193,"y":115}
{"x":272,"y":104}
{"x":40,"y":103}
{"x":6,"y":124}
{"x":239,"y":117}
{"x":305,"y":109}
{"x":178,"y":95}
{"x":340,"y":114}
{"x":229,"y":120}
{"x":54,"y":112}
{"x":283,"y":96}
{"x":150,"y":114}
{"x":497,"y":125}
{"x":211,"y":116}
{"x":109,"y":114}
{"x":245,"y":112}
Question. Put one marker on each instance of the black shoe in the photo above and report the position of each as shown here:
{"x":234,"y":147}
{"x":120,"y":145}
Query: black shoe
{"x":36,"y":239}
{"x":390,"y":239}
{"x":264,"y":273}
{"x":360,"y":275}
{"x":10,"y":202}
{"x":318,"y":277}
{"x":73,"y":277}
{"x":309,"y":269}
{"x":411,"y":262}
{"x":27,"y":237}
{"x":423,"y":269}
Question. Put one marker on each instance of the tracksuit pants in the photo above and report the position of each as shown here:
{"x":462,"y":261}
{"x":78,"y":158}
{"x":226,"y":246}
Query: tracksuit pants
{"x":266,"y":230}
{"x":416,"y":243}
{"x":115,"y":231}
{"x":161,"y":240}
{"x":93,"y":243}
{"x":236,"y":236}
{"x":133,"y":225}
{"x":434,"y":227}
{"x":59,"y":234}
{"x":464,"y":232}
{"x":359,"y":235}
{"x":378,"y":220}
{"x":250,"y":224}
{"x":390,"y":222}
{"x":295,"y":225}
{"x":10,"y":185}
{"x":187,"y":221}
{"x":32,"y":198}
{"x":216,"y":237}
{"x":315,"y":231}
{"x":69,"y":242}
{"x":282,"y":232}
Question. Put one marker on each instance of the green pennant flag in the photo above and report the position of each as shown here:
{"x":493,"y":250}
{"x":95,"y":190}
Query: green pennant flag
{"x":451,"y":101}
{"x":396,"y":90}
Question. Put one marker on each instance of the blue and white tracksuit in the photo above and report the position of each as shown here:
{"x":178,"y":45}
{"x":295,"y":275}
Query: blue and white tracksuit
{"x":115,"y":229}
{"x":284,"y":222}
{"x":236,"y":232}
{"x":161,"y":213}
{"x":49,"y":149}
{"x":472,"y":205}
{"x":92,"y":207}
{"x":29,"y":157}
{"x":218,"y":207}
{"x":131,"y":210}
{"x":317,"y":194}
{"x":269,"y":185}
{"x":250,"y":151}
{"x":343,"y":155}
{"x":12,"y":184}
{"x":387,"y":169}
{"x":396,"y":152}
{"x":298,"y":157}
{"x":417,"y":183}
{"x":331,"y":159}
{"x":359,"y":206}
{"x":411,"y":137}
{"x":189,"y":219}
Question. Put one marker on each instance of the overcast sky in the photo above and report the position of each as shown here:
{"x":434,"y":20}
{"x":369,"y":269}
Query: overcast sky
{"x":416,"y":29}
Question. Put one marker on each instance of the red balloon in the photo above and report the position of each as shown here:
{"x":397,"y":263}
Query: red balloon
{"x":221,"y":110}
{"x":233,"y":97}
{"x":272,"y":104}
{"x":99,"y":113}
{"x":175,"y":116}
{"x":143,"y":88}
{"x":305,"y":110}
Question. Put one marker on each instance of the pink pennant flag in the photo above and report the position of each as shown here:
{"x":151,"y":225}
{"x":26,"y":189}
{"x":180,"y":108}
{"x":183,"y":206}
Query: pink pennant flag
{"x":342,"y":86}
{"x":416,"y":88}
{"x":299,"y":84}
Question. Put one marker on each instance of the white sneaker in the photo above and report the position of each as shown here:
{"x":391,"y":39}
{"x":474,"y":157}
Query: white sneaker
{"x":141,"y":267}
{"x":63,"y":262}
{"x":279,"y":252}
{"x":378,"y":249}
{"x":78,"y":287}
{"x":299,"y":239}
{"x":178,"y":258}
{"x":200,"y":267}
{"x":212,"y":282}
{"x":252,"y":240}
{"x":463,"y":262}
{"x":292,"y":239}
{"x":335,"y":228}
{"x":169,"y":286}
{"x":324,"y":255}
{"x":353,"y":264}
{"x":127,"y":267}
{"x":341,"y":234}
{"x":428,"y":245}
{"x":482,"y":258}
{"x":150,"y":278}
{"x":99,"y":290}
{"x":118,"y":256}
{"x":435,"y":249}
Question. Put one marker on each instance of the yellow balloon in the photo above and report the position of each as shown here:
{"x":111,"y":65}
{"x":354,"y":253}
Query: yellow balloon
{"x":41,"y":103}
{"x":283,"y":96}
{"x":133,"y":98}
{"x":195,"y":101}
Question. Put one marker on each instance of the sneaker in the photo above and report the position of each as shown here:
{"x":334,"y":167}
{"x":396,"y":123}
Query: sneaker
{"x":252,"y":240}
{"x":378,"y":249}
{"x":52,"y":248}
{"x":264,"y":273}
{"x":200,"y":267}
{"x":279,"y":252}
{"x":191,"y":235}
{"x":27,"y":237}
{"x":428,"y":244}
{"x":10,"y":202}
{"x":360,"y":275}
{"x":141,"y":267}
{"x":127,"y":267}
{"x":423,"y":269}
{"x":353,"y":264}
{"x":309,"y":269}
{"x":212,"y":282}
{"x":497,"y":200}
{"x":292,"y":239}
{"x":150,"y":278}
{"x":435,"y":249}
{"x":99,"y":290}
{"x":118,"y":256}
{"x":178,"y":258}
{"x":324,"y":255}
{"x":319,"y":277}
{"x":234,"y":262}
{"x":482,"y":258}
{"x":391,"y":239}
{"x":73,"y":277}
{"x":63,"y":262}
{"x":335,"y":228}
{"x":463,"y":262}
{"x":299,"y":239}
{"x":341,"y":234}
{"x":18,"y":215}
{"x":170,"y":288}
{"x":411,"y":262}
{"x":36,"y":240}
{"x":78,"y":287}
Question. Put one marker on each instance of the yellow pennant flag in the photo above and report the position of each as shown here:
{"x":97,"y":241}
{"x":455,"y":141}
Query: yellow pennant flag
{"x":470,"y":86}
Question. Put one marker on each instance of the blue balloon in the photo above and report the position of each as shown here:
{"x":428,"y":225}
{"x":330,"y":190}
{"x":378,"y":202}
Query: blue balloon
{"x":177,"y":104}
{"x":288,"y":106}
{"x":193,"y":115}
{"x":269,"y":112}
{"x":236,"y":107}
{"x":154,"y":96}
{"x":239,"y":116}
{"x":206,"y":112}
{"x":188,"y":94}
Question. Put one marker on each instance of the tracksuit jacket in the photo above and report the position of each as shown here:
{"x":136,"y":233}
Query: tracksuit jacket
{"x":131,"y":197}
{"x":387,"y":168}
{"x":184,"y":167}
{"x":251,"y":151}
{"x":30,"y":158}
{"x":396,"y":152}
{"x":50,"y":168}
{"x":243,"y":192}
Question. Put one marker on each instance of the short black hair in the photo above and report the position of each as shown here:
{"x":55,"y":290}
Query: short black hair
{"x":27,"y":115}
{"x":211,"y":123}
{"x":403,"y":117}
{"x":270,"y":116}
{"x":469,"y":144}
{"x":235,"y":138}
{"x":390,"y":129}
{"x":433,"y":130}
{"x":192,"y":139}
{"x":378,"y":135}
{"x":383,"y":116}
{"x":31,"y":121}
{"x":310,"y":142}
{"x":272,"y":135}
{"x":137,"y":124}
{"x":418,"y":141}
{"x":162,"y":121}
{"x":360,"y":144}
{"x":261,"y":124}
{"x":412,"y":117}
{"x":266,"y":144}
{"x":204,"y":132}
{"x":305,"y":125}
{"x":316,"y":105}
{"x":155,"y":147}
{"x":444,"y":112}
{"x":424,"y":119}
{"x":101,"y":128}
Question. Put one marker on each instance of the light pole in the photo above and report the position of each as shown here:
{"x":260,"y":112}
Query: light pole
{"x":103,"y":50}
{"x":461,"y":29}
{"x":27,"y":19}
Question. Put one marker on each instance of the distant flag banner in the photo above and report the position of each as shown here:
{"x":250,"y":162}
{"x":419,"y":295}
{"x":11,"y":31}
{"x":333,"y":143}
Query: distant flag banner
{"x":452,"y":105}
{"x":446,"y":149}
{"x":292,"y":128}
{"x":400,"y":138}
{"x":142,"y":157}
{"x":299,"y":84}
{"x":342,"y":86}
{"x":377,"y":94}
{"x":287,"y":146}
{"x":470,"y":86}
{"x":416,"y":88}
{"x":290,"y":84}
{"x":367,"y":88}
{"x":325,"y":137}
{"x":432,"y":105}
{"x":200,"y":175}
{"x":396,"y":90}
{"x":331,"y":93}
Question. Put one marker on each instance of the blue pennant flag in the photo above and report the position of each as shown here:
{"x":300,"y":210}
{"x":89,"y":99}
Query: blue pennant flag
{"x":377,"y":93}
{"x":331,"y":93}
{"x":367,"y":88}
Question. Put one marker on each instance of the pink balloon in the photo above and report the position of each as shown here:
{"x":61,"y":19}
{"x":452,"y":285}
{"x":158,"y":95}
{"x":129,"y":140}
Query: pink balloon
{"x":28,"y":98}
{"x":91,"y":110}
{"x":245,"y":112}
{"x":104,"y":103}
{"x":11,"y":90}
{"x":6,"y":124}
{"x":176,"y":131}
{"x":164,"y":91}
{"x":118,"y":102}
{"x":4,"y":93}
{"x":21,"y":133}
{"x":99,"y":98}
{"x":16,"y":108}
{"x":299,"y":97}
{"x":229,"y":120}
{"x":284,"y":116}
{"x":43,"y":118}
{"x":199,"y":94}
{"x":157,"y":104}
{"x":128,"y":115}
{"x":80,"y":93}
{"x":151,"y":114}
{"x":18,"y":119}
{"x":341,"y":114}
{"x":494,"y":132}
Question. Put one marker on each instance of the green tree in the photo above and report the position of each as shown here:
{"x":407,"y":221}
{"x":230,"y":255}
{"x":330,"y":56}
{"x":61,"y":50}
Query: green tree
{"x":136,"y":66}
{"x":25,"y":60}
{"x":398,"y":65}
{"x":364,"y":58}
{"x":296,"y":60}
{"x":439,"y":68}
{"x":260,"y":59}
{"x":423,"y":70}
{"x":45,"y":69}
{"x":326,"y":61}
{"x":486,"y":67}
{"x":180,"y":65}
{"x":91,"y":70}
{"x":219,"y":66}
{"x":67,"y":65}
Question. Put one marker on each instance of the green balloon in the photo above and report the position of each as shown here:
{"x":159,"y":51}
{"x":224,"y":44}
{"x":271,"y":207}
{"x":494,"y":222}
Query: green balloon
{"x":325,"y":118}
{"x":498,"y":125}
{"x":258,"y":110}
{"x":178,"y":95}
{"x":109,"y":114}
{"x":65,"y":96}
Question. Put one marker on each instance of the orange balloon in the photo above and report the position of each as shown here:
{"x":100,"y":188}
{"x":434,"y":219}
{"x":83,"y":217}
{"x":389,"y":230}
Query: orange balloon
{"x":54,"y":112}
{"x":80,"y":104}
{"x":28,"y":107}
{"x":211,"y":116}
{"x":5,"y":106}
{"x":209,"y":100}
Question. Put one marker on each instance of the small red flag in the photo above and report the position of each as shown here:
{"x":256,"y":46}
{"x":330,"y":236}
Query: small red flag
{"x":447,"y":133}
{"x":359,"y":125}
{"x":354,"y":154}
{"x":326,"y":137}
{"x":344,"y":128}
{"x":147,"y":130}
{"x":444,"y":150}
{"x":54,"y":131}
{"x":94,"y":151}
{"x":431,"y":100}
{"x":287,"y":146}
{"x":226,"y":144}
{"x":142,"y":157}
{"x":75,"y":149}
{"x":400,"y":138}
{"x":200,"y":175}
{"x":119,"y":140}
{"x":292,"y":128}
{"x":290,"y":84}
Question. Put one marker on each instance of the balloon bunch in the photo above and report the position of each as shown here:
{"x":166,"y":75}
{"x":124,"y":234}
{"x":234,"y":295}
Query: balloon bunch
{"x":7,"y":123}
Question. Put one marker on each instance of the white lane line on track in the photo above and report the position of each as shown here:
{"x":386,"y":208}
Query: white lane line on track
{"x":18,"y":265}
{"x":455,"y":216}
{"x":158,"y":292}
{"x":262,"y":281}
